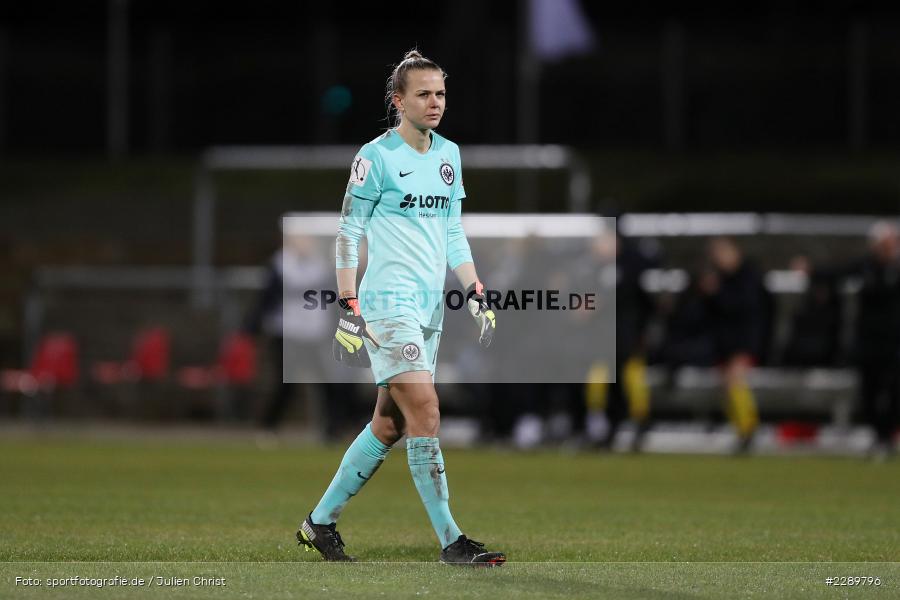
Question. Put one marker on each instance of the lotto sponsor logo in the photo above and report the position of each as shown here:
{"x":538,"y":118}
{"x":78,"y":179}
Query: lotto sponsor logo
{"x":423,"y":201}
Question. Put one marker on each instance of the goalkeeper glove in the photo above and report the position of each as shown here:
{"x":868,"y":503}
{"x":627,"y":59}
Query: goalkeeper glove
{"x":348,"y":346}
{"x":484,"y":316}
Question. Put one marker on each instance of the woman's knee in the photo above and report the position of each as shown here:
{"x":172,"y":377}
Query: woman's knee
{"x":419,"y":403}
{"x":427,"y":422}
{"x":388,"y":423}
{"x":387,"y":430}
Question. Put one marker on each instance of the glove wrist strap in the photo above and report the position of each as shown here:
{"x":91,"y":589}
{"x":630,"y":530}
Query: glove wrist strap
{"x":476,"y":289}
{"x":349,"y":304}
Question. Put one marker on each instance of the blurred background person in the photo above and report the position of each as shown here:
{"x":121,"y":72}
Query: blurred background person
{"x":298,"y":335}
{"x":525,"y":408}
{"x":878,"y":335}
{"x":628,"y":398}
{"x":690,"y":338}
{"x":815,"y":325}
{"x":740,"y":321}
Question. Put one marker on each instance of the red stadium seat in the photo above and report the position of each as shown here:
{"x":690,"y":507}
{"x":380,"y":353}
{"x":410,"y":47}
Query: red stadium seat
{"x":237,"y":360}
{"x":149,"y":360}
{"x":53,"y":365}
{"x":152,"y":351}
{"x":226,"y":382}
{"x":236,"y":365}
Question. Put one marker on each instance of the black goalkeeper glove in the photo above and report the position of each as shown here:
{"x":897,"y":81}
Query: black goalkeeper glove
{"x":348,"y":346}
{"x":484,"y":316}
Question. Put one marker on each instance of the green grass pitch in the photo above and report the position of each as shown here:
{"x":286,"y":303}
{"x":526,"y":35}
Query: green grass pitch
{"x":572,"y":525}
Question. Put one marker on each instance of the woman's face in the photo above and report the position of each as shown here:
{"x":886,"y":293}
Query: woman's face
{"x":423,"y":102}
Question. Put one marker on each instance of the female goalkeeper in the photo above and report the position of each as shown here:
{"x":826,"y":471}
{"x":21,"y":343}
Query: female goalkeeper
{"x":405,"y":195}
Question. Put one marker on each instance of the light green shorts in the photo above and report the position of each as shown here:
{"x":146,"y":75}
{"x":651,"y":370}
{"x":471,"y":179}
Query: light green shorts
{"x":405,"y":346}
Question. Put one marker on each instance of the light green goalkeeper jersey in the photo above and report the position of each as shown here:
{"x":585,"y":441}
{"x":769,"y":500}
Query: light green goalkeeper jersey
{"x":408,"y":205}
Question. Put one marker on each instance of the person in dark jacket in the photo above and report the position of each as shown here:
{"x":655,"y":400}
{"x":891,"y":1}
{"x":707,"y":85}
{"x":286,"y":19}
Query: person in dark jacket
{"x":629,"y":397}
{"x":297,"y":335}
{"x":739,"y":319}
{"x":878,"y":335}
{"x":690,"y":338}
{"x":815,"y":326}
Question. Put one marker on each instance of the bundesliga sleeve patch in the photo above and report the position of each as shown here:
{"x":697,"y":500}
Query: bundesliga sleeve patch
{"x":359,"y":170}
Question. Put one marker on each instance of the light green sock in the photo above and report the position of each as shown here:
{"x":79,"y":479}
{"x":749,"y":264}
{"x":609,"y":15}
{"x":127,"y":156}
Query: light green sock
{"x":426,"y":463}
{"x":360,"y":462}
